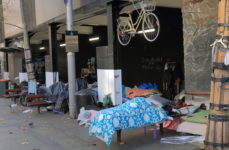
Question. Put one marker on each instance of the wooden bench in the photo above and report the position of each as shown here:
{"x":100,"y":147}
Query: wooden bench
{"x":38,"y":104}
{"x":37,"y":101}
{"x":14,"y":90}
{"x":35,"y":96}
{"x":13,"y":93}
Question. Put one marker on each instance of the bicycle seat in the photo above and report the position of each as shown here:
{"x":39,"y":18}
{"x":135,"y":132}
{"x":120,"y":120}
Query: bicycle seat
{"x":128,"y":12}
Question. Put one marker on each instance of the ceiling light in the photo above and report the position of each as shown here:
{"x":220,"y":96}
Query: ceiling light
{"x":42,"y":48}
{"x":94,"y":39}
{"x":147,"y":31}
{"x":62,"y":45}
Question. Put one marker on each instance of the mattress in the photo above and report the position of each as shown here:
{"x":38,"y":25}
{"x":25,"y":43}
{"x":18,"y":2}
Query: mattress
{"x":192,"y":128}
{"x":199,"y":117}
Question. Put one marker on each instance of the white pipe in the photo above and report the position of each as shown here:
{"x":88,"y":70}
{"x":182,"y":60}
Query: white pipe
{"x":62,"y":45}
{"x":94,"y":39}
{"x":42,"y":48}
{"x":71,"y":65}
{"x":69,"y":9}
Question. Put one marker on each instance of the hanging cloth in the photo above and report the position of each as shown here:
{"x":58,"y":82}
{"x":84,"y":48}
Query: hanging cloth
{"x":226,"y":60}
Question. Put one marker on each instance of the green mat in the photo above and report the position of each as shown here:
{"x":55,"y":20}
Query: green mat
{"x":199,"y":117}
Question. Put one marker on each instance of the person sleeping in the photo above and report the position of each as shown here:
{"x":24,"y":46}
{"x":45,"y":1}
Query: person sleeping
{"x":132,"y":114}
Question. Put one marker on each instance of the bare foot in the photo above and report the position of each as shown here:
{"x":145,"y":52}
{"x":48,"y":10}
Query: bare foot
{"x":150,"y":129}
{"x":122,"y":142}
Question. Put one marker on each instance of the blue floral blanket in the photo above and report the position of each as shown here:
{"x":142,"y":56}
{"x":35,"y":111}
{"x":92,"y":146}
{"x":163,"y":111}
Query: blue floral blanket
{"x":132,"y":114}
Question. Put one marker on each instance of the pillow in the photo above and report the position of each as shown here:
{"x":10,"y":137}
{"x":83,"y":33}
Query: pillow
{"x":188,"y":110}
{"x":159,"y":101}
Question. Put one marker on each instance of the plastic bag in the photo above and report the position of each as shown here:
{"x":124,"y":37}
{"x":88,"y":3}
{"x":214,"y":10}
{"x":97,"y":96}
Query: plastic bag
{"x":180,"y":140}
{"x":85,"y":117}
{"x":187,"y":110}
{"x":27,"y":111}
{"x":226,"y":60}
{"x":107,"y":101}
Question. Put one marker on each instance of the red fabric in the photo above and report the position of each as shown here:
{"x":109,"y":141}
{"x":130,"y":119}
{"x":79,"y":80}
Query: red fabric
{"x":183,"y":104}
{"x":93,"y":115}
{"x":135,"y":92}
{"x":172,"y":124}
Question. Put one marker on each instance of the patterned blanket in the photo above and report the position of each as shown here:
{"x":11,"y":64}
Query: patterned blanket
{"x":132,"y":114}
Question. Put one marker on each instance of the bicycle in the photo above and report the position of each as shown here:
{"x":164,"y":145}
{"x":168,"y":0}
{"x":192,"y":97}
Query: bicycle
{"x":127,"y":29}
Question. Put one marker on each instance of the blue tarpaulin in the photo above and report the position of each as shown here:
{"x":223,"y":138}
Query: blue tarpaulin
{"x":132,"y":114}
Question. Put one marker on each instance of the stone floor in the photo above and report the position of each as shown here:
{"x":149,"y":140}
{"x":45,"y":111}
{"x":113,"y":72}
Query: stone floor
{"x":58,"y":132}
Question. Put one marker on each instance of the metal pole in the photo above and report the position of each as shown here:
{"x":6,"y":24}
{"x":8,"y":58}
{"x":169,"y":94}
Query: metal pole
{"x":71,"y":64}
{"x":26,"y":46}
{"x":2,"y":40}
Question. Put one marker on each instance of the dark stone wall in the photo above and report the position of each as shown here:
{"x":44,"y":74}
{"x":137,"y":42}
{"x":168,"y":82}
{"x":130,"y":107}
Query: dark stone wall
{"x":87,"y":50}
{"x":62,"y":63}
{"x":144,"y":61}
{"x":199,"y":28}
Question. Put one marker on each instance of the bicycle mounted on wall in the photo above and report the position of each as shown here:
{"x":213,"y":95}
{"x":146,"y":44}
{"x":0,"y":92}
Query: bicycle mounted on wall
{"x":127,"y":28}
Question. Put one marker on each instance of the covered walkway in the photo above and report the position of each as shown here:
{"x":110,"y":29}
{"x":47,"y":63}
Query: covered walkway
{"x":58,"y":132}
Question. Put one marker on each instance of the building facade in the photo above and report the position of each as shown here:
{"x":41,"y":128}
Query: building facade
{"x":46,"y":22}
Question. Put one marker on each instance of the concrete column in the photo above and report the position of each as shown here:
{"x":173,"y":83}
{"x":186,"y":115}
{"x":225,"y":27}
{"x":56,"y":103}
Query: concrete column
{"x":15,"y":64}
{"x":51,"y":65}
{"x":1,"y":23}
{"x":26,"y":45}
{"x":112,"y":15}
{"x":71,"y":64}
{"x":108,"y":63}
{"x":2,"y":41}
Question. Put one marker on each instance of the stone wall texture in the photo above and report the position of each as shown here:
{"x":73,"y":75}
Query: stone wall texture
{"x":1,"y":23}
{"x":199,"y":29}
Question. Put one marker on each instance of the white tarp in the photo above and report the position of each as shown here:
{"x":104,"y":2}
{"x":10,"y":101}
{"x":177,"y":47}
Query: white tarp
{"x":110,"y":82}
{"x":51,"y":78}
{"x":23,"y":76}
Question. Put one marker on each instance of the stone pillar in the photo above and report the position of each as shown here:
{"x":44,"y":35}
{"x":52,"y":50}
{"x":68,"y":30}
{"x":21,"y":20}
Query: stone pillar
{"x":15,"y":64}
{"x":199,"y":27}
{"x":1,"y":23}
{"x":51,"y":65}
{"x":108,"y":64}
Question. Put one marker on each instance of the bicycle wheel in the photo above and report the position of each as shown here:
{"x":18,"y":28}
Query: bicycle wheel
{"x":150,"y":27}
{"x":123,"y":32}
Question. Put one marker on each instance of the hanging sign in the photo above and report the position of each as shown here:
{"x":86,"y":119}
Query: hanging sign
{"x":72,"y":41}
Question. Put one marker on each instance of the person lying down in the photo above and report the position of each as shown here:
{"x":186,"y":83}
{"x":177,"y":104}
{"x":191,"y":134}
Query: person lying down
{"x":132,"y":114}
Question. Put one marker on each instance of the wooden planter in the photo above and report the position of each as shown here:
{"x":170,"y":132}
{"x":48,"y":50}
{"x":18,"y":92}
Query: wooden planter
{"x":217,"y":136}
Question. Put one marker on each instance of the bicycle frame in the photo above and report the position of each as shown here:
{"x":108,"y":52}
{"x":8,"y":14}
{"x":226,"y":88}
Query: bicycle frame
{"x":135,"y":25}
